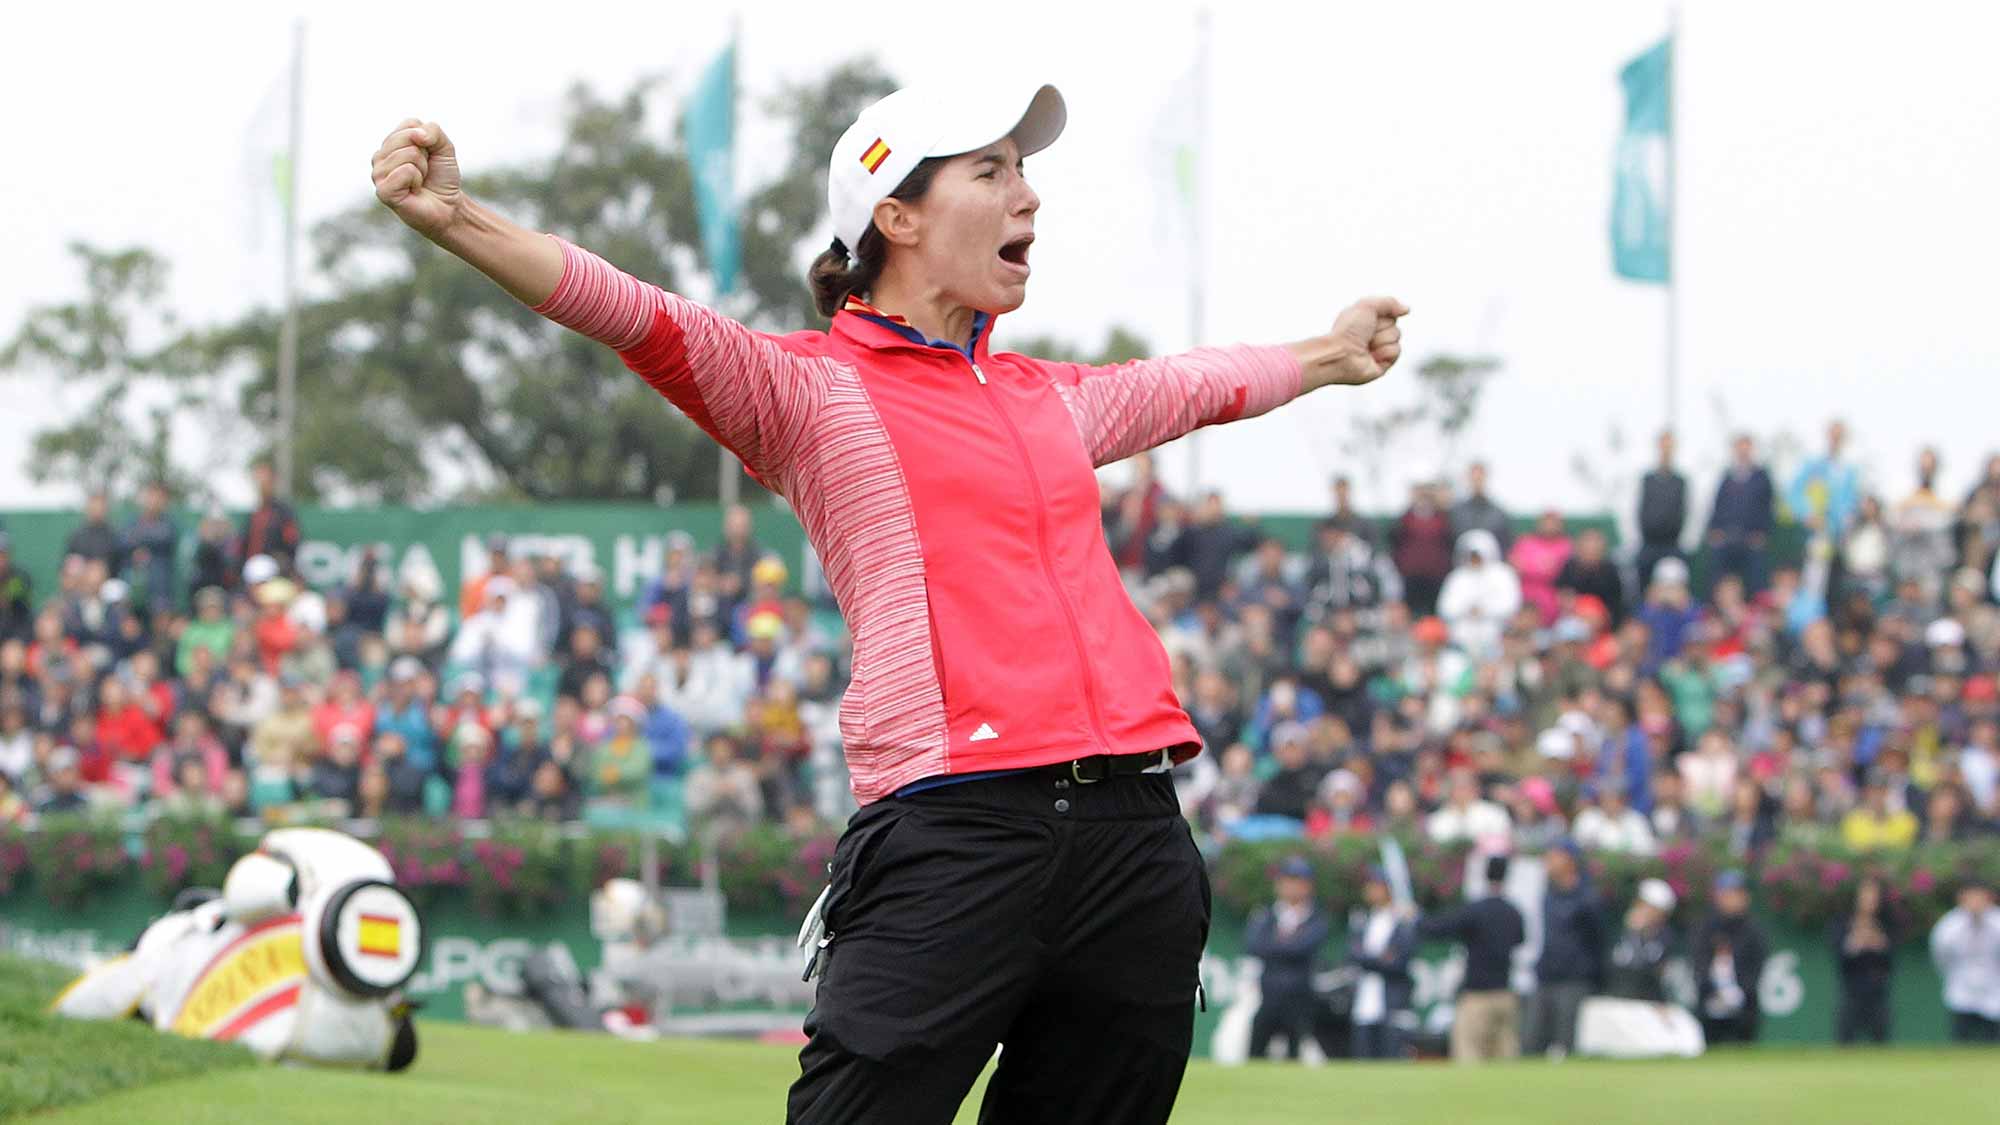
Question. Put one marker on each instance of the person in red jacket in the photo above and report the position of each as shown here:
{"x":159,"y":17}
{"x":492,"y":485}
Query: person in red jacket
{"x":274,"y":630}
{"x":1019,"y":871}
{"x":1420,"y":545}
{"x":126,"y":728}
{"x":344,"y":705}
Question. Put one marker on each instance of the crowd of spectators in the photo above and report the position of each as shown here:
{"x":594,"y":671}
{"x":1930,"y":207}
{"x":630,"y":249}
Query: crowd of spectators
{"x":1464,"y":674}
{"x":161,"y":675}
{"x":1456,"y":670}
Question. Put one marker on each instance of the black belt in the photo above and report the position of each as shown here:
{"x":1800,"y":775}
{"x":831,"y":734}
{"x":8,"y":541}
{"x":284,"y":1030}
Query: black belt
{"x":1099,"y":767}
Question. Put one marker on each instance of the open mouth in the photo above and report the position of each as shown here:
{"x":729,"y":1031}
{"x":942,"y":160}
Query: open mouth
{"x":1015,"y":253}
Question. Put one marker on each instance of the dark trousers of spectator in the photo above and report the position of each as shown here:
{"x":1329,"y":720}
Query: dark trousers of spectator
{"x":1650,"y":555}
{"x":1059,"y":919}
{"x":1378,"y":1041}
{"x":1971,"y":1027}
{"x":1736,"y":556}
{"x":1420,"y":593}
{"x":1740,"y":1028}
{"x":1550,"y":1025}
{"x":1862,"y":1018}
{"x":1294,"y":1016}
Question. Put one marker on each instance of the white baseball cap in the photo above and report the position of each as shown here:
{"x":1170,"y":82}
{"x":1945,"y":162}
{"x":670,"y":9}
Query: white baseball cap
{"x":1658,"y":895}
{"x":894,"y":135}
{"x":1671,"y":571}
{"x":1556,"y":743}
{"x":1942,"y":633}
{"x":259,"y":569}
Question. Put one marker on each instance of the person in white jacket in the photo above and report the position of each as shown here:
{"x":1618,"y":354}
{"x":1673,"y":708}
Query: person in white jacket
{"x":1465,"y":815}
{"x":1611,"y":825}
{"x":1965,"y":945}
{"x":501,"y":642}
{"x":1479,"y":595}
{"x":707,"y":689}
{"x":733,"y":672}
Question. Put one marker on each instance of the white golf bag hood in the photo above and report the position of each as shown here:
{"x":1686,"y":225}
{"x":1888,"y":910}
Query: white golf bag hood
{"x":302,"y":957}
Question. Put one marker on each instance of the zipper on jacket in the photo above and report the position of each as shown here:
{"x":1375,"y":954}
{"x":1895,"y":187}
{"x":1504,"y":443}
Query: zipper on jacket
{"x":1048,"y":564}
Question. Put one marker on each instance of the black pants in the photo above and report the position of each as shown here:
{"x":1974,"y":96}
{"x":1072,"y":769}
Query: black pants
{"x":1378,"y":1041}
{"x":1420,"y":593}
{"x":1549,"y":1017}
{"x":1970,"y":1027}
{"x":1296,"y":1016}
{"x":1063,"y":921}
{"x":1862,"y":1016}
{"x":1736,"y":556}
{"x":1730,"y":1029}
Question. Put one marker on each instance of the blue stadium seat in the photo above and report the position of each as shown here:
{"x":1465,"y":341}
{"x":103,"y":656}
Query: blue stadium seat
{"x":1268,"y":827}
{"x":437,"y":796}
{"x":266,"y":792}
{"x":669,"y":806}
{"x":542,"y":682}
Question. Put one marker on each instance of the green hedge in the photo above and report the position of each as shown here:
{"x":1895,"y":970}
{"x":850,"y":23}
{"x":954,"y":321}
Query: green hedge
{"x":502,"y":867}
{"x":516,"y":868}
{"x":1242,"y":873}
{"x":1806,"y":879}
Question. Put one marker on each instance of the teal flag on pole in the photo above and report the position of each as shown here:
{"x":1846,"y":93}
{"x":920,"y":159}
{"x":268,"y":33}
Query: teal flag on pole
{"x":1641,"y":212}
{"x":710,"y":128}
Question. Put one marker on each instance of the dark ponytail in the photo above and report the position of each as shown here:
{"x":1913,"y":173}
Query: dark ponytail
{"x":836,"y":273}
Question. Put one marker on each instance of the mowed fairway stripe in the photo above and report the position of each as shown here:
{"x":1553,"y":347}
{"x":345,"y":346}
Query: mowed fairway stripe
{"x":473,"y":1076}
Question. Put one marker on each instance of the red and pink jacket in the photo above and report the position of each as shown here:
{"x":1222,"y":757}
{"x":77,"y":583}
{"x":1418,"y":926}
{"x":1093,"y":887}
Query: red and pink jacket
{"x":953,"y":502}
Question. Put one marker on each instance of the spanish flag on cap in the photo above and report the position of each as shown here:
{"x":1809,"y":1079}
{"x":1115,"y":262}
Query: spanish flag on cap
{"x":874,"y":156}
{"x":381,"y":935}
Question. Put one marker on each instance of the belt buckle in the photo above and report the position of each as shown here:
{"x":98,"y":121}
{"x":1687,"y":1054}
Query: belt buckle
{"x":1077,"y":773}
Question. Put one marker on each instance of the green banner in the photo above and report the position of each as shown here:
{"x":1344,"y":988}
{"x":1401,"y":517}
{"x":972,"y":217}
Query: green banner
{"x":755,"y":969}
{"x":626,"y":541}
{"x":1799,"y":991}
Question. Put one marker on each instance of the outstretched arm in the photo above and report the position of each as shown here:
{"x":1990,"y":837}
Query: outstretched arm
{"x":1135,"y":406}
{"x":1364,"y":343}
{"x":416,"y":176}
{"x":742,"y":387}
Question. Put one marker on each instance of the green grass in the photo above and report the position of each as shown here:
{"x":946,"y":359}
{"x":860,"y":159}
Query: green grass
{"x":45,"y":1061}
{"x":473,"y":1076}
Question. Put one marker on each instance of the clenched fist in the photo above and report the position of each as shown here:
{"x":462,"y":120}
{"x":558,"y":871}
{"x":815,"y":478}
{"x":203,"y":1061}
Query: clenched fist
{"x":1369,"y":339}
{"x":416,"y":176}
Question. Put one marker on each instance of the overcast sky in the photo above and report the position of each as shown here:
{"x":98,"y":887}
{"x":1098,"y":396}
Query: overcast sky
{"x":1837,"y":179}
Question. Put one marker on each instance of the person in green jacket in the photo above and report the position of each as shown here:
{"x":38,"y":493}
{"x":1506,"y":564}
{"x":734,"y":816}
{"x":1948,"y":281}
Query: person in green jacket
{"x":211,"y":629}
{"x":1694,"y":682}
{"x":621,"y":767}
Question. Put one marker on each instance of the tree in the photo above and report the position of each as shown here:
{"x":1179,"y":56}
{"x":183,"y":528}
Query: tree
{"x":1121,"y":345}
{"x":413,"y":359}
{"x":414,"y":369}
{"x":119,"y":336}
{"x":1446,"y":395}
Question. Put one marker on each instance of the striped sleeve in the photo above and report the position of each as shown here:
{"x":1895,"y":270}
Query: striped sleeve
{"x":1135,"y":406}
{"x":741,"y":386}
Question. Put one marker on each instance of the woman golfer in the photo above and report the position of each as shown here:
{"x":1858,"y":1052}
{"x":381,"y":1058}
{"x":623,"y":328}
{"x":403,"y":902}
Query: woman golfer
{"x":1019,"y":873}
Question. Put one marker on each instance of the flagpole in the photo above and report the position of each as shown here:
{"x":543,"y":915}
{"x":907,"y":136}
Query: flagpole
{"x":729,"y":478}
{"x":1197,"y":276}
{"x":288,"y":335}
{"x":1673,"y":223}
